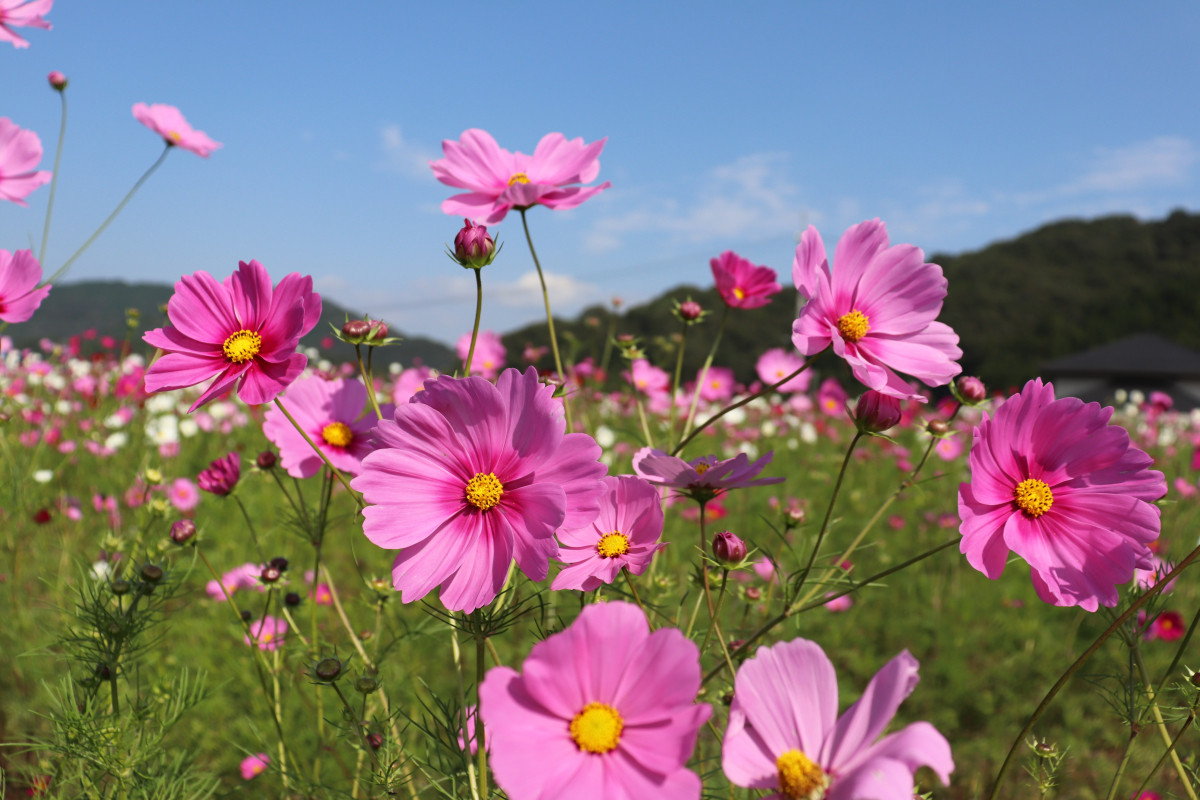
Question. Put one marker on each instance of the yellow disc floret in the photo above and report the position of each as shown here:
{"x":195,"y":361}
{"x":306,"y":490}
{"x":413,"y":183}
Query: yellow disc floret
{"x":612,"y":545}
{"x":337,"y":434}
{"x":597,"y":728}
{"x":701,"y":468}
{"x":739,"y":293}
{"x":242,"y":346}
{"x":853,"y":326}
{"x":1033,"y":497}
{"x":484,"y":490}
{"x":799,"y":777}
{"x":518,"y":177}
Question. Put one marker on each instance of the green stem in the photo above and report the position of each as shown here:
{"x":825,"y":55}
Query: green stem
{"x":1161,"y":724}
{"x":336,"y":472}
{"x":456,"y":654}
{"x":62,"y":135}
{"x":562,"y":377}
{"x":837,"y":488}
{"x":675,"y":383}
{"x":63,"y":269}
{"x":478,"y":313}
{"x":250,"y":524}
{"x":712,"y":611}
{"x":637,"y":398}
{"x":480,"y":742}
{"x":633,"y":590}
{"x":1166,"y":754}
{"x":691,"y":417}
{"x":368,"y":380}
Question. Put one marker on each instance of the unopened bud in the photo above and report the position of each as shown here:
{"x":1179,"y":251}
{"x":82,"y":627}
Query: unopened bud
{"x":356,"y":329}
{"x":728,"y":548}
{"x":971,"y":389}
{"x":267,"y":459}
{"x":182,"y":531}
{"x":291,"y":599}
{"x":690,"y":310}
{"x":120,"y":587}
{"x":753,"y":593}
{"x":876,"y":412}
{"x":270,"y":574}
{"x":375,"y":740}
{"x":473,"y":247}
{"x":151,"y":573}
{"x":938,"y":427}
{"x":57,"y":80}
{"x":247,"y":616}
{"x":279,"y":562}
{"x":327,"y":669}
{"x":366,"y":684}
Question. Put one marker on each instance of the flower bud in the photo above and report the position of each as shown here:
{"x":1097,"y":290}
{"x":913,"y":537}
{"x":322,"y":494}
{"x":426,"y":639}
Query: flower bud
{"x":327,"y":669}
{"x":379,"y":330}
{"x":375,"y":740}
{"x":279,"y":562}
{"x":690,"y":310}
{"x":57,"y":80}
{"x":938,"y":427}
{"x":120,"y":587}
{"x":267,"y":459}
{"x":473,"y":247}
{"x":247,"y":616}
{"x":151,"y":573}
{"x":291,"y":599}
{"x":182,"y":531}
{"x":971,"y":389}
{"x":875,"y":412}
{"x":728,"y":548}
{"x":366,"y":684}
{"x":270,"y":574}
{"x":356,"y":329}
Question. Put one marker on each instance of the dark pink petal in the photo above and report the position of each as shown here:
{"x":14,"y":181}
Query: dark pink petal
{"x":535,"y":420}
{"x":810,"y":268}
{"x":250,"y":288}
{"x":865,"y":720}
{"x":1135,"y":519}
{"x":202,"y":309}
{"x":178,"y":370}
{"x":425,"y":437}
{"x":982,"y":532}
{"x":265,"y":381}
{"x":474,"y":409}
{"x":812,"y":331}
{"x":483,"y":569}
{"x":291,"y":313}
{"x":19,"y":308}
{"x":422,"y":567}
{"x":930,"y":356}
{"x":172,"y":340}
{"x":535,"y":512}
{"x":1130,"y":475}
{"x":666,"y":470}
{"x":224,"y":382}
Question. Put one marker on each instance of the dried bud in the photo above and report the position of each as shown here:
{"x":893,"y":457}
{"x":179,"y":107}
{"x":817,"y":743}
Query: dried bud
{"x":267,"y":459}
{"x":938,"y":427}
{"x":57,"y":80}
{"x":876,"y":412}
{"x":151,"y":573}
{"x":728,"y":548}
{"x":270,"y":574}
{"x":971,"y":389}
{"x":182,"y":531}
{"x":327,"y":669}
{"x":473,"y":247}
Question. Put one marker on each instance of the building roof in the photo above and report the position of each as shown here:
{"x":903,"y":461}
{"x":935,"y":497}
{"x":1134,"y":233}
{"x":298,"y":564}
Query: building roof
{"x":1145,"y":355}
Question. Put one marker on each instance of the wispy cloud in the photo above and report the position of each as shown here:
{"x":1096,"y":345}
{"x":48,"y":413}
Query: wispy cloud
{"x":749,"y":197}
{"x":402,"y":155}
{"x":1160,"y":162}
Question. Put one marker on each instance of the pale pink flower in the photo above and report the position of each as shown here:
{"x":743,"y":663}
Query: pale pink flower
{"x":703,"y":477}
{"x":831,"y":397}
{"x":253,"y":766}
{"x":20,"y":153}
{"x":776,"y":364}
{"x":168,"y":122}
{"x":741,"y":284}
{"x":183,"y":494}
{"x":20,"y":295}
{"x":624,"y":536}
{"x":1053,"y":482}
{"x":489,"y":355}
{"x":877,"y":307}
{"x":604,"y":709}
{"x":409,"y":382}
{"x":335,"y":416}
{"x":648,"y":379}
{"x":267,"y":633}
{"x":784,"y":733}
{"x":22,"y":14}
{"x":718,"y":384}
{"x":498,"y":180}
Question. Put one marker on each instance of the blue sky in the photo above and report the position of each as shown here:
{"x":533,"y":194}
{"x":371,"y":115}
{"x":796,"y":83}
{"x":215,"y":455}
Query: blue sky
{"x":728,"y":128}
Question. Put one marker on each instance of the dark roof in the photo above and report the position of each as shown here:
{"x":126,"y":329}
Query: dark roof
{"x":1145,"y":355}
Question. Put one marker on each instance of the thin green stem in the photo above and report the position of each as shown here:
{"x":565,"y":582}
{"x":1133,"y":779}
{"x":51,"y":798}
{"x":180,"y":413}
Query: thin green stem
{"x":1161,"y":724}
{"x":480,"y":742}
{"x":562,"y":376}
{"x":691,"y":417}
{"x":637,"y":398}
{"x":675,"y":383}
{"x":1167,"y":754}
{"x":145,"y":176}
{"x":633,"y":590}
{"x":837,"y":488}
{"x":456,"y":654}
{"x":478,"y":314}
{"x":250,"y":525}
{"x":62,"y":135}
{"x":712,"y":611}
{"x":368,"y":380}
{"x":337,"y":473}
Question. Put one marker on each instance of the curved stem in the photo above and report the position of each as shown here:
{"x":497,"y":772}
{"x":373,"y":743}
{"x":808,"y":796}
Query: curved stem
{"x":478,"y":312}
{"x":336,"y":472}
{"x":62,"y":135}
{"x":691,"y":417}
{"x":837,"y":488}
{"x":145,"y":175}
{"x":562,"y":377}
{"x":250,"y":524}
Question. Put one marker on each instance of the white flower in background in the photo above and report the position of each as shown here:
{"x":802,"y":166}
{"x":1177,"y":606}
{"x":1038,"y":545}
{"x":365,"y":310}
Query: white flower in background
{"x":769,"y":428}
{"x":114,"y":421}
{"x":79,"y":367}
{"x":605,"y":436}
{"x":607,"y":458}
{"x":133,"y":361}
{"x":1137,"y":397}
{"x":808,"y":433}
{"x":101,"y":570}
{"x":221,"y":410}
{"x":325,"y":365}
{"x":188,"y":427}
{"x":737,"y":417}
{"x":163,"y":430}
{"x":793,"y":444}
{"x":36,"y":379}
{"x":43,"y":475}
{"x":312,"y":353}
{"x":162,"y":402}
{"x":62,"y":407}
{"x":395,"y":368}
{"x":1167,"y":437}
{"x":749,"y":448}
{"x":1120,"y":396}
{"x":55,"y":381}
{"x":116,"y":440}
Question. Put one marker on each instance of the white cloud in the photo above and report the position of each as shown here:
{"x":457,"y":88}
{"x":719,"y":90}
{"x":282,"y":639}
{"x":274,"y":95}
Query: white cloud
{"x":565,"y":292}
{"x":1155,"y":163}
{"x":401,"y":155}
{"x":749,"y":197}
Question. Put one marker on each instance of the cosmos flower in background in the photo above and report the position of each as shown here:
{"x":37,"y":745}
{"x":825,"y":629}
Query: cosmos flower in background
{"x":168,"y":122}
{"x":717,"y":385}
{"x":470,"y":475}
{"x":489,"y":355}
{"x":624,"y":536}
{"x":253,"y":766}
{"x":22,"y":14}
{"x":704,"y":477}
{"x":776,"y":364}
{"x":1054,"y":483}
{"x":20,"y":153}
{"x":20,"y":294}
{"x":877,"y":307}
{"x":785,"y":735}
{"x":498,"y":180}
{"x":267,"y":633}
{"x":742,"y":284}
{"x":332,"y":414}
{"x":222,"y":475}
{"x":240,"y":332}
{"x":604,"y":708}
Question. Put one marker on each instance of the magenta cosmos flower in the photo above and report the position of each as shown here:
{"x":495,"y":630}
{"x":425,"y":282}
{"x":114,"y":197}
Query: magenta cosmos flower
{"x":20,"y":153}
{"x":267,"y":633}
{"x":742,"y":284}
{"x":20,"y":295}
{"x":704,"y":477}
{"x":1054,"y":483}
{"x":168,"y":122}
{"x":499,"y":180}
{"x":331,"y":413}
{"x":877,"y":307}
{"x":624,"y":536}
{"x":240,"y":332}
{"x":784,"y":732}
{"x":470,"y":475}
{"x":22,"y":14}
{"x":604,"y":710}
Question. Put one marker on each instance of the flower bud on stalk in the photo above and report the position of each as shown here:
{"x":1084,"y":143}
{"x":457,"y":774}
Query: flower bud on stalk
{"x":938,"y":427}
{"x":473,"y":247}
{"x":267,"y":460}
{"x":971,"y":390}
{"x":875,"y":412}
{"x":57,"y":80}
{"x":182,"y":531}
{"x":728,"y":548}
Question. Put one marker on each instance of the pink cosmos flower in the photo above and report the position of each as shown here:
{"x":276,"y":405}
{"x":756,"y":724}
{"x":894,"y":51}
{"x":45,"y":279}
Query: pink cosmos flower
{"x":20,"y":296}
{"x":703,"y":477}
{"x":168,"y":122}
{"x":831,"y":397}
{"x":1053,"y":482}
{"x":22,"y":14}
{"x":331,"y":413}
{"x":268,"y":633}
{"x":409,"y":382}
{"x":648,"y":379}
{"x":183,"y":494}
{"x":253,"y":766}
{"x":784,"y":732}
{"x":498,"y":180}
{"x":605,"y":709}
{"x":776,"y":364}
{"x":718,"y":384}
{"x":489,"y":355}
{"x":222,"y":475}
{"x":20,"y":153}
{"x":468,"y":476}
{"x":1168,"y":626}
{"x":240,"y":332}
{"x":878,"y":309}
{"x":742,"y":284}
{"x":624,"y":535}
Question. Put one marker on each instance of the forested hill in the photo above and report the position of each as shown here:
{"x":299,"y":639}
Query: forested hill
{"x":1016,"y":304}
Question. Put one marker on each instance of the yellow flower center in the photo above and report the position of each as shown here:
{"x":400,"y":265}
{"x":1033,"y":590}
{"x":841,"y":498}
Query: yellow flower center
{"x":337,"y":434}
{"x":612,"y":545}
{"x":853,"y":326}
{"x":242,"y":346}
{"x":1033,"y":496}
{"x":800,"y":778}
{"x":597,"y":728}
{"x":174,"y":136}
{"x":739,"y":293}
{"x":701,"y":468}
{"x":484,"y":490}
{"x":518,"y":177}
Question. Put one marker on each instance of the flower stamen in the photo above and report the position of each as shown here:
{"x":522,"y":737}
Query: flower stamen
{"x":518,"y":177}
{"x":853,"y":326}
{"x":1033,"y":497}
{"x":799,"y":777}
{"x":597,"y":728}
{"x":612,"y":545}
{"x":241,"y":346}
{"x":484,"y":490}
{"x":337,"y":434}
